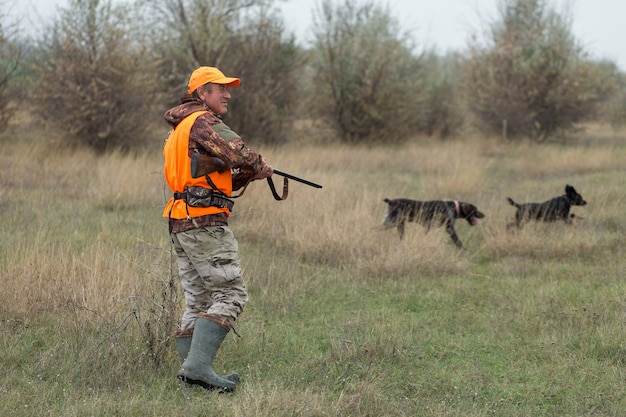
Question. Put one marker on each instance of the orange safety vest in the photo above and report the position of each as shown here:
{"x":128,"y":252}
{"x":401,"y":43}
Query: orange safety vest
{"x":178,"y":173}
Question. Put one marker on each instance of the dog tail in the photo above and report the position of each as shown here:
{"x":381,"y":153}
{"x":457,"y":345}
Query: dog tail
{"x":513,"y":203}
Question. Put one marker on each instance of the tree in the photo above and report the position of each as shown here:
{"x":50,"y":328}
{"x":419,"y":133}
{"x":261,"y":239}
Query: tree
{"x":613,"y":110}
{"x":270,"y":65}
{"x":367,"y":82}
{"x":97,"y":79}
{"x":187,"y":34}
{"x":11,"y":55}
{"x":445,"y":112}
{"x":245,"y":38}
{"x":532,"y":77}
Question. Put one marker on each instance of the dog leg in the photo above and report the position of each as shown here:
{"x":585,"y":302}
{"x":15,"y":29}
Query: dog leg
{"x":452,"y":233}
{"x":401,"y":229}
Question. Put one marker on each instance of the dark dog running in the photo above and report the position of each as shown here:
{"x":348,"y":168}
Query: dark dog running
{"x":430,"y":213}
{"x":552,"y":210}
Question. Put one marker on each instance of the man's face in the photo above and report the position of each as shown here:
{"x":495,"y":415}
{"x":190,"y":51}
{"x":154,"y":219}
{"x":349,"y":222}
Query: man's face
{"x":215,"y":96}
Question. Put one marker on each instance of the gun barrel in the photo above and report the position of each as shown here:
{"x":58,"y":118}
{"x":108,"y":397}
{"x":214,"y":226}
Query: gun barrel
{"x":293,"y":177}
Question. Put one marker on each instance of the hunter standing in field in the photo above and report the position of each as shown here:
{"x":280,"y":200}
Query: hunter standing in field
{"x":208,"y":259}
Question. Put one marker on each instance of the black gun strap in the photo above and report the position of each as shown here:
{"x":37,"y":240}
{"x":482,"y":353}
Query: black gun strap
{"x":270,"y":182}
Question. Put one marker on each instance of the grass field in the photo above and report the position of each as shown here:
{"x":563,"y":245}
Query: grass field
{"x":344,"y":318}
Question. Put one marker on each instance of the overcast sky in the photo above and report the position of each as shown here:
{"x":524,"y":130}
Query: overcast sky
{"x":599,"y":25}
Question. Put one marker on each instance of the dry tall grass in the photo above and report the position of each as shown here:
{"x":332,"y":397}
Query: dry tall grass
{"x":341,"y":224}
{"x":48,"y":194}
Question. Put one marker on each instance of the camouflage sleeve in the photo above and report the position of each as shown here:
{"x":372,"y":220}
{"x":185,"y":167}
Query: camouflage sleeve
{"x":226,"y":144}
{"x":241,"y":178}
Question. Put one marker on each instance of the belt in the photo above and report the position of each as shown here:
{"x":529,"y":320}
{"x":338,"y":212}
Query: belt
{"x":210,"y":200}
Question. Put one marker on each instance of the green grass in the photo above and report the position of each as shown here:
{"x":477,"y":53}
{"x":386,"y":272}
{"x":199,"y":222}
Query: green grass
{"x":344,"y":319}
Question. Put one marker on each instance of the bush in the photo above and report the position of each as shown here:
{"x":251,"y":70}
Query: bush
{"x":270,"y":67}
{"x":367,"y":82}
{"x":11,"y":54}
{"x":244,"y":39}
{"x":532,"y":79}
{"x":97,"y":81}
{"x":614,"y":110}
{"x":445,"y":113}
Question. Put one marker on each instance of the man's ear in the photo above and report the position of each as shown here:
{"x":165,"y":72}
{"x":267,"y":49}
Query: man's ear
{"x":202,"y":92}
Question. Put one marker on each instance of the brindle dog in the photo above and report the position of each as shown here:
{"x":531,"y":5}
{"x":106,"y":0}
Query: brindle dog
{"x":430,"y":213}
{"x":552,"y":210}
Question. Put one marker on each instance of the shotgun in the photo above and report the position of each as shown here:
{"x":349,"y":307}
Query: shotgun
{"x":204,"y":164}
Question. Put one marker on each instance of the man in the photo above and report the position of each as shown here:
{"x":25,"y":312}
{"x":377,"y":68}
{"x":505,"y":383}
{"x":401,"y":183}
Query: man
{"x":208,"y":260}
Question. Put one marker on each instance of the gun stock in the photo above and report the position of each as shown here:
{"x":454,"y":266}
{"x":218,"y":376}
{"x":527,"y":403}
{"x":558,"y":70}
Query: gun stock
{"x":202,"y":165}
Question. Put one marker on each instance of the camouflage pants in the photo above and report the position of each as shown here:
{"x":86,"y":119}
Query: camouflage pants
{"x":210,"y":274}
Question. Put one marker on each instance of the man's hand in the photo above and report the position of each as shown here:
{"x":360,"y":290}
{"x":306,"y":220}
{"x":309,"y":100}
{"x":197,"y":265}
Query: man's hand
{"x":266,"y":171}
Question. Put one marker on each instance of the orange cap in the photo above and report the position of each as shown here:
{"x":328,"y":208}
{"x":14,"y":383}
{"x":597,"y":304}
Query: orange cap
{"x":205,"y":75}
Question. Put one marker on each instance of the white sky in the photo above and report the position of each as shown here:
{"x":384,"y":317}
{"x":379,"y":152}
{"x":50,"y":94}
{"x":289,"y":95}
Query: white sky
{"x":599,"y":25}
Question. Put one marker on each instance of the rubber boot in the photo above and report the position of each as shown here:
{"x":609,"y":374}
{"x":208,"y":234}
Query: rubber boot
{"x":197,"y":368}
{"x":183,"y":344}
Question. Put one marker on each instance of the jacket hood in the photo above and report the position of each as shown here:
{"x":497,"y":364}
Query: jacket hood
{"x":187,"y":106}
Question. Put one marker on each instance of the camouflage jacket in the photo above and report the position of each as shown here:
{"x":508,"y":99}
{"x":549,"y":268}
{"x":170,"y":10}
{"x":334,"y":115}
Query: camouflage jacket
{"x":204,"y":139}
{"x":226,"y":145}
